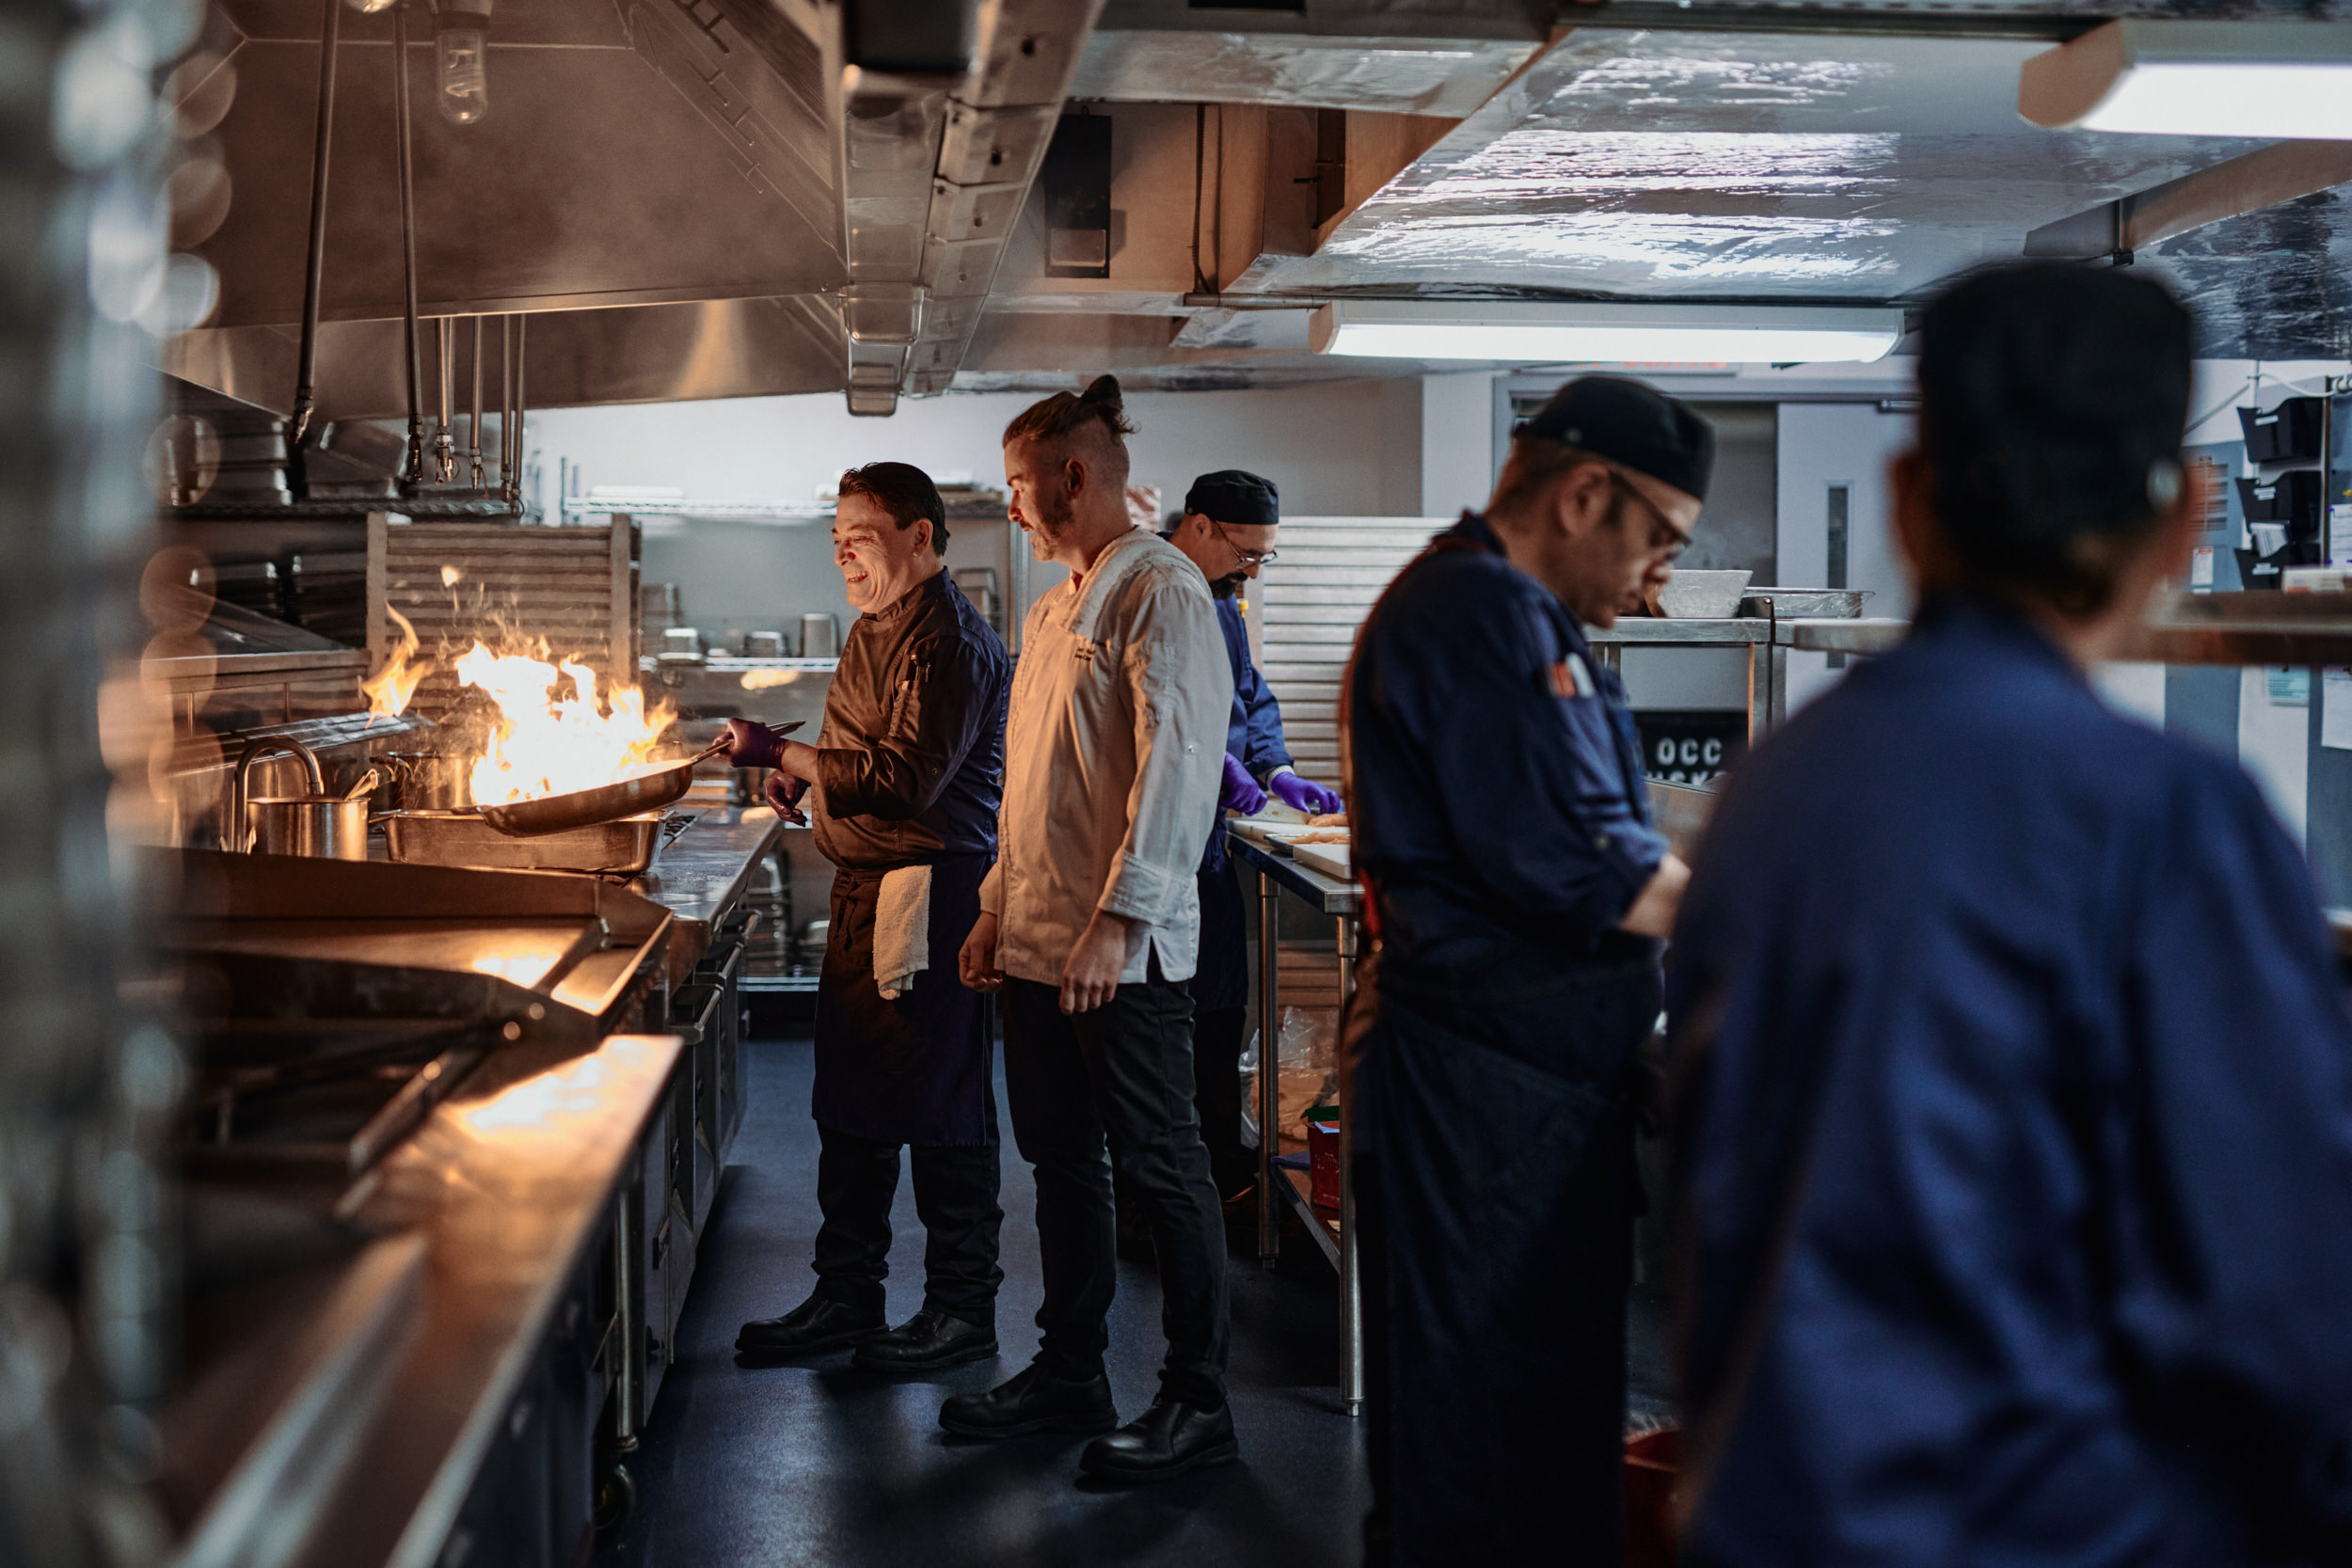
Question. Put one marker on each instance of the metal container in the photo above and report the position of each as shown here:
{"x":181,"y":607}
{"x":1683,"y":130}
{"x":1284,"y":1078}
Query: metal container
{"x":659,"y":606}
{"x":324,"y":826}
{"x":1697,"y":595}
{"x":1795,"y":604}
{"x":820,"y":636}
{"x":685,"y":641}
{"x":463,"y":838}
{"x":764,"y":644}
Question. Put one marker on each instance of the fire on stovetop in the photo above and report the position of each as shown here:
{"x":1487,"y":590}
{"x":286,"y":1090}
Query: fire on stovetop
{"x":553,"y":731}
{"x":554,"y":734}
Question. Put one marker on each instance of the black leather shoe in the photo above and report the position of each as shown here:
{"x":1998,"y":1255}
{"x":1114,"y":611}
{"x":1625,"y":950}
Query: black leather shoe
{"x":927,"y":1340}
{"x":818,"y":1324}
{"x":1033,"y":1401}
{"x":1165,"y":1441}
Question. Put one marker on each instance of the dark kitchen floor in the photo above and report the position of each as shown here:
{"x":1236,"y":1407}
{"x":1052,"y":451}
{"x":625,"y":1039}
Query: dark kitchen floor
{"x":818,"y":1464}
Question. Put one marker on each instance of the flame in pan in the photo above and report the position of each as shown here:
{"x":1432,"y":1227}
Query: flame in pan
{"x":551,"y":740}
{"x":390,"y":689}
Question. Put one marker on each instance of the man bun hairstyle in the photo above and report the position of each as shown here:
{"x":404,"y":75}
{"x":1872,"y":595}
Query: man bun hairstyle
{"x":2053,"y":399}
{"x":904,"y":491}
{"x":1065,"y":414}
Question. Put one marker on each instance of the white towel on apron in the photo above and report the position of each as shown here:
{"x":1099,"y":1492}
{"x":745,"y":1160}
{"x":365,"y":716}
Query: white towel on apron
{"x":902,"y":929}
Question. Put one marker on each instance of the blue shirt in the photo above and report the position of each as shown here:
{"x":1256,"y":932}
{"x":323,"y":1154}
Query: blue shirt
{"x":1254,"y":734}
{"x":2015,"y":1132}
{"x":1496,"y":786}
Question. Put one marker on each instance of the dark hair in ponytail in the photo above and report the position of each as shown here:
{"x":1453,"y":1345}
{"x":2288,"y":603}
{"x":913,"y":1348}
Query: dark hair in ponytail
{"x":1064,"y":414}
{"x":2053,"y":401}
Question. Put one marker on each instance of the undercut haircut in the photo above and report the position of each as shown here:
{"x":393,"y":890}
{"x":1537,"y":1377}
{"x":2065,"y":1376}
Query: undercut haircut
{"x":1067,"y":414}
{"x":904,"y":491}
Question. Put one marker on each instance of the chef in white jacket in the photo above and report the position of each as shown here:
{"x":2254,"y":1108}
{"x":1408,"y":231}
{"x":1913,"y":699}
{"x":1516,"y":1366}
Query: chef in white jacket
{"x":1090,"y":924}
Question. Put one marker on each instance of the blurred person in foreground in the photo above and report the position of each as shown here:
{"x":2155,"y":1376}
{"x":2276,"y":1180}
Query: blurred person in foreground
{"x":1501,"y":823}
{"x":1089,"y":925}
{"x":2015,"y":1121}
{"x":906,"y":793}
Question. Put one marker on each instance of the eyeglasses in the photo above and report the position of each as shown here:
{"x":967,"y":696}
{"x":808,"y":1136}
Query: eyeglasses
{"x":1247,"y":558}
{"x":1658,"y":519}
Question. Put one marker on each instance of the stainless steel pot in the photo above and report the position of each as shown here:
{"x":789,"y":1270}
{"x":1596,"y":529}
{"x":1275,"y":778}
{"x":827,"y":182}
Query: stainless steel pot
{"x":315,"y":823}
{"x":322,"y":826}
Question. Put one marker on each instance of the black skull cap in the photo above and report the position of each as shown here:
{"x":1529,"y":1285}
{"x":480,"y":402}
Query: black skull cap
{"x":1235,"y":498}
{"x":1633,"y":426}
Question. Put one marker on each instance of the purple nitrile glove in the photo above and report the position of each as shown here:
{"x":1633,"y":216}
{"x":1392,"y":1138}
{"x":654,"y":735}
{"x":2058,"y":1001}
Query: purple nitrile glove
{"x":1304,"y":794}
{"x":784,"y":792}
{"x":752,"y":744}
{"x":1239,"y":792}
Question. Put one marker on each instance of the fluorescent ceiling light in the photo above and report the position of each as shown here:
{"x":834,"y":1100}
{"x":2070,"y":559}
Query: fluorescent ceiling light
{"x":1554,"y":334}
{"x":2270,"y":79}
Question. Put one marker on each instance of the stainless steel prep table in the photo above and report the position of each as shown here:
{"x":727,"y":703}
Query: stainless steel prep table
{"x":1343,"y":901}
{"x":509,"y":1184}
{"x":703,"y":877}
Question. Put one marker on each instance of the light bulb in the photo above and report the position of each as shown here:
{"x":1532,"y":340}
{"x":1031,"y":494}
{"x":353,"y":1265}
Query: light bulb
{"x":461,"y":43}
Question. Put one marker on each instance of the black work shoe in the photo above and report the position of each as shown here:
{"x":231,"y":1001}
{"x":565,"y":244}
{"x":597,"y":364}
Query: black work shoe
{"x":927,"y":1340}
{"x":1166,"y":1440}
{"x":818,"y":1324}
{"x":1033,"y":1401}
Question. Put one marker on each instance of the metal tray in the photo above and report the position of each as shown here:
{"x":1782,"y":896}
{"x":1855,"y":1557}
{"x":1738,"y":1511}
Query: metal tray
{"x":1794,"y":604}
{"x":624,"y":846}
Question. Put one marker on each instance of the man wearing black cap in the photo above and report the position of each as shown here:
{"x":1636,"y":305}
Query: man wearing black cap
{"x":1228,"y":530}
{"x":1518,"y":893}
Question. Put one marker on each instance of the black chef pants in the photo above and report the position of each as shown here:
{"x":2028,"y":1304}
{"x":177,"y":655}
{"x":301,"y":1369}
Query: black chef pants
{"x":955,"y":1196}
{"x":1120,"y":1075}
{"x":1495,"y":1251}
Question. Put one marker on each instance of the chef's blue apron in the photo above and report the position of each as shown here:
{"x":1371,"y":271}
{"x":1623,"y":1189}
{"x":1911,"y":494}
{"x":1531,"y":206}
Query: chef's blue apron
{"x":1497,"y":1094}
{"x":913,"y":1070}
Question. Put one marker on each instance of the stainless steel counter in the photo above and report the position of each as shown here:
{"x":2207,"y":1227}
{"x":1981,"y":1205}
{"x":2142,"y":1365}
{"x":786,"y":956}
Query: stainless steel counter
{"x":509,"y":1185}
{"x":704,"y":874}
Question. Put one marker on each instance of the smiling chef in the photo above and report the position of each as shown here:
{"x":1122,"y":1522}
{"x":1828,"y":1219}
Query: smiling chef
{"x":906,"y":787}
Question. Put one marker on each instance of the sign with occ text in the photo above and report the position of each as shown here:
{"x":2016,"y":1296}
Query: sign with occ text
{"x":1691,"y":748}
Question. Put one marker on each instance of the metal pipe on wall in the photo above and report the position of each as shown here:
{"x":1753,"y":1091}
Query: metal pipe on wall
{"x":314,"y":274}
{"x":408,"y":247}
{"x":473,"y":424}
{"x":514,"y":486}
{"x":506,"y":401}
{"x":444,"y":440}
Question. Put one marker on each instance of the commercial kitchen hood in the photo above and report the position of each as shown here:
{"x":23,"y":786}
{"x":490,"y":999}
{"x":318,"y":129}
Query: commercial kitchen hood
{"x":691,"y":198}
{"x":724,"y":197}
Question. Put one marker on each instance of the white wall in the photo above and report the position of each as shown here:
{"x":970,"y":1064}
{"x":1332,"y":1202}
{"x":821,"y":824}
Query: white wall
{"x":1457,"y":442}
{"x":1340,"y":449}
{"x":1823,"y":444}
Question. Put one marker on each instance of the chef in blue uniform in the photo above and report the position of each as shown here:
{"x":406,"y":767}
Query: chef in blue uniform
{"x":1518,"y":895}
{"x":1227,"y":530}
{"x":2016,"y":1128}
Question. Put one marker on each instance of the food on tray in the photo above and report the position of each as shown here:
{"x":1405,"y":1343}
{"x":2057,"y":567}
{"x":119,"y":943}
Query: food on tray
{"x":1335,"y":836}
{"x":1329,"y":819}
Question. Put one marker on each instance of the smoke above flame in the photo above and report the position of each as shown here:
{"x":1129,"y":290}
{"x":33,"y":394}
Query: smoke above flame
{"x":549,"y":740}
{"x":390,"y":689}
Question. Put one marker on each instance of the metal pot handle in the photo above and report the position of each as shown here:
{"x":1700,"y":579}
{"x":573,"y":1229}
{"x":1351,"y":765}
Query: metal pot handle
{"x":254,"y":751}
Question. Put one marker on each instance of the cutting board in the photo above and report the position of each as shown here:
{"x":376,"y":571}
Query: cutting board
{"x":1330,"y":859}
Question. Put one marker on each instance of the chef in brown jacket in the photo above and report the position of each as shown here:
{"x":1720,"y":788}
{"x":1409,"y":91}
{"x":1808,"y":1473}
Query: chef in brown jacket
{"x":907,"y":778}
